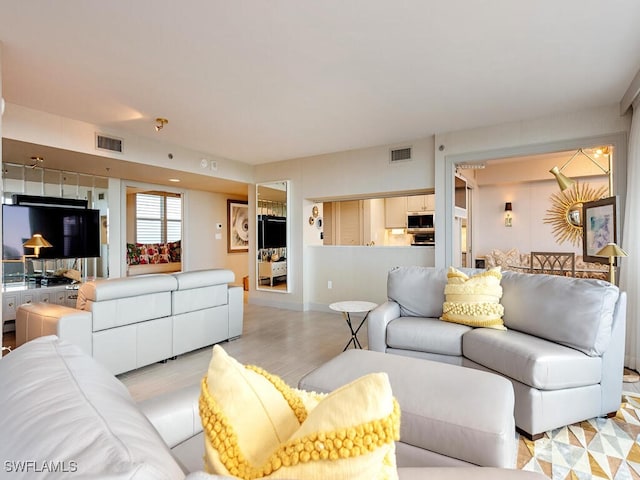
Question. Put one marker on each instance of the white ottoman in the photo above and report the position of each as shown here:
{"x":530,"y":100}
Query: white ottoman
{"x":451,"y":416}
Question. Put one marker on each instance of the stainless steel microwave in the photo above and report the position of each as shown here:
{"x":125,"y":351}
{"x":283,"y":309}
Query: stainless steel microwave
{"x":420,"y":222}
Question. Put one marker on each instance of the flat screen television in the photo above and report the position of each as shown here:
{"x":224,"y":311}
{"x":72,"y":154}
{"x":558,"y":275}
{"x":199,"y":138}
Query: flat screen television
{"x":72,"y":232}
{"x":272,"y":231}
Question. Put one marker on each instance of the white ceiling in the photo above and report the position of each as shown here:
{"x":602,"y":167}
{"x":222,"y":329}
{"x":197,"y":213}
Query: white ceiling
{"x":260,"y":81}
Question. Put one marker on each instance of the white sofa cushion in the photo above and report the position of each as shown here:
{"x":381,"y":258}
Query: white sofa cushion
{"x":426,"y":335}
{"x":60,"y":406}
{"x":575,"y":312}
{"x":531,"y":360}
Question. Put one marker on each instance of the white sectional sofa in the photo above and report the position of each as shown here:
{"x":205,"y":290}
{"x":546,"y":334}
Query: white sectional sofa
{"x":563,"y":349}
{"x":64,"y":411}
{"x":127,"y":323}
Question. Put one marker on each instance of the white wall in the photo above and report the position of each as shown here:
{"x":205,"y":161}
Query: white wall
{"x":529,"y":232}
{"x":28,"y":125}
{"x":356,"y":272}
{"x":206,"y":246}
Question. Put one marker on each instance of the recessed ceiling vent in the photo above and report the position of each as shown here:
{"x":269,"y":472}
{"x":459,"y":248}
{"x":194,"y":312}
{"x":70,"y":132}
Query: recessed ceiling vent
{"x":400,"y":154}
{"x":111,"y":144}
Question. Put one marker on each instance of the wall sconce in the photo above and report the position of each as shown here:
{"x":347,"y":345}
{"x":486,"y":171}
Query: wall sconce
{"x":508,"y":208}
{"x":611,"y":250}
{"x":160,"y":123}
{"x":565,"y":182}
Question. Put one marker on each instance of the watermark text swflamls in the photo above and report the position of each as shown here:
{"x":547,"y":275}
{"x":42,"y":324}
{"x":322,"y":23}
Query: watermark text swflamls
{"x":34,"y":466}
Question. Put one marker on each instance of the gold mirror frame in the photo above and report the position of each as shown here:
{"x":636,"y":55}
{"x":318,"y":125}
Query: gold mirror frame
{"x":564,"y":214}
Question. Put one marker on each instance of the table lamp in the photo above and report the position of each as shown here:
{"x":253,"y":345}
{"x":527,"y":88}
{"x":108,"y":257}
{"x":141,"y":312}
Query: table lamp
{"x":37,"y":241}
{"x":612,"y":251}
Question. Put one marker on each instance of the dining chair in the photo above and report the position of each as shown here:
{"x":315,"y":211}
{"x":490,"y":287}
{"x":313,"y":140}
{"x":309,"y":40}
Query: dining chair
{"x":553,"y":263}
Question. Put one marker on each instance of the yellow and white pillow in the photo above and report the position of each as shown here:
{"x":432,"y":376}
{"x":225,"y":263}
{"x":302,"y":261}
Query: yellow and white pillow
{"x":474,"y":301}
{"x":256,"y":426}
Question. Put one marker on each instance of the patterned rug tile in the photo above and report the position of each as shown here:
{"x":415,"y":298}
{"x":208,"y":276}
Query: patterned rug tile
{"x":607,"y":448}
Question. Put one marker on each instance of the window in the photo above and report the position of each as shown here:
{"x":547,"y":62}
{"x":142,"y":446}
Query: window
{"x":158,"y":217}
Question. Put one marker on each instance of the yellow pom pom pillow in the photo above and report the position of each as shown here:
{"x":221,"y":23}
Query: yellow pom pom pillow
{"x":474,"y":301}
{"x":256,"y":426}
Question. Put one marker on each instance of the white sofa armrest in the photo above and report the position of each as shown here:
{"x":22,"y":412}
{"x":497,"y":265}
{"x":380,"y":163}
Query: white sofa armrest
{"x":378,"y":320}
{"x":236,"y":311}
{"x":613,"y":359}
{"x":175,"y":414}
{"x":40,"y":319}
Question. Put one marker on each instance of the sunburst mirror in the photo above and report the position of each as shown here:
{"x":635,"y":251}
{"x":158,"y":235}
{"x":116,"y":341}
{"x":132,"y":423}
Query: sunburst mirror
{"x":565,"y":214}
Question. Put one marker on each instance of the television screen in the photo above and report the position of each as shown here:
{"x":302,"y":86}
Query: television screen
{"x":72,"y":232}
{"x":272,"y":231}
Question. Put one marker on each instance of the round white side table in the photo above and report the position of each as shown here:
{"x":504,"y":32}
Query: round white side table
{"x":353,"y":306}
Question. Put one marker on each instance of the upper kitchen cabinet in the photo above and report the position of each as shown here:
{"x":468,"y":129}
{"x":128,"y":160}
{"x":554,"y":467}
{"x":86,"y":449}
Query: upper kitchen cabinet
{"x":421,"y":203}
{"x":395,"y":212}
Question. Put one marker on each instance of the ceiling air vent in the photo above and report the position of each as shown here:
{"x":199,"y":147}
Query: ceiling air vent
{"x":400,"y":154}
{"x":111,"y":144}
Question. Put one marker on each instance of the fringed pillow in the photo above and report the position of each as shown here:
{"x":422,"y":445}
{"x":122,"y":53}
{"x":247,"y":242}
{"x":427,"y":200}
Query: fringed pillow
{"x":256,"y":426}
{"x":474,"y":301}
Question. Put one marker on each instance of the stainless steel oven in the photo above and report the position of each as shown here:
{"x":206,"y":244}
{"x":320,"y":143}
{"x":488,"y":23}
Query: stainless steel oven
{"x":427,"y":238}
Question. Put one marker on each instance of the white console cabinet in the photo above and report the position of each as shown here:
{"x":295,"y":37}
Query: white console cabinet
{"x":271,"y":270}
{"x":14,"y":295}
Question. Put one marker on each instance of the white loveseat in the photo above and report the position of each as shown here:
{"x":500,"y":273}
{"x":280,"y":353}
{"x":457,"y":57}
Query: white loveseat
{"x":127,"y":323}
{"x":563,"y":349}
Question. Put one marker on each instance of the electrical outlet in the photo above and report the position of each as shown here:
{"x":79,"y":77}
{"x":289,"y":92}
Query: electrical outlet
{"x":214,"y":165}
{"x":329,"y":284}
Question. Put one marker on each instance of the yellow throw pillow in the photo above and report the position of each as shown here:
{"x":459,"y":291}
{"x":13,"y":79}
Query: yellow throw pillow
{"x":474,"y":301}
{"x":256,"y":426}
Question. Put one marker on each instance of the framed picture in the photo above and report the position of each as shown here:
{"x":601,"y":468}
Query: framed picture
{"x":237,"y":226}
{"x":599,"y":227}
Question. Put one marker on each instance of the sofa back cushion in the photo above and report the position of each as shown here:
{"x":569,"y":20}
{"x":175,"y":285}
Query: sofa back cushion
{"x":61,"y":409}
{"x":419,"y":290}
{"x":576,"y":312}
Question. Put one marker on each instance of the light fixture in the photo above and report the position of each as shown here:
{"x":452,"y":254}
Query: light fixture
{"x":471,"y":166}
{"x":174,"y":180}
{"x":397,"y":231}
{"x":160,"y":123}
{"x":508,"y":208}
{"x":565,"y":182}
{"x":612,"y":251}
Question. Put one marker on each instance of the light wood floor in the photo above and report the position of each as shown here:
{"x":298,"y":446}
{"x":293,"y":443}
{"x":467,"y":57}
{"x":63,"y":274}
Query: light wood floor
{"x":283,"y":342}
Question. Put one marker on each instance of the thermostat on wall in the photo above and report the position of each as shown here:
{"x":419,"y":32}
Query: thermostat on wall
{"x":218,"y":226}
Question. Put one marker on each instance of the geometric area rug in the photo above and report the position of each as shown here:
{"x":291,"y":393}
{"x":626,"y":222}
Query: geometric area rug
{"x":597,"y":448}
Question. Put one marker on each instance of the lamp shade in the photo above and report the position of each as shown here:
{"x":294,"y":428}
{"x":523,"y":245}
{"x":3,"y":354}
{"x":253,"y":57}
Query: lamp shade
{"x":564,"y":182}
{"x":508,"y":207}
{"x":611,"y":250}
{"x":37,"y":242}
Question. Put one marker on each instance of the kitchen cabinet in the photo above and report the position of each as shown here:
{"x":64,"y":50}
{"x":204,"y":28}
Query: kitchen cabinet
{"x":421,"y":203}
{"x":395,"y":212}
